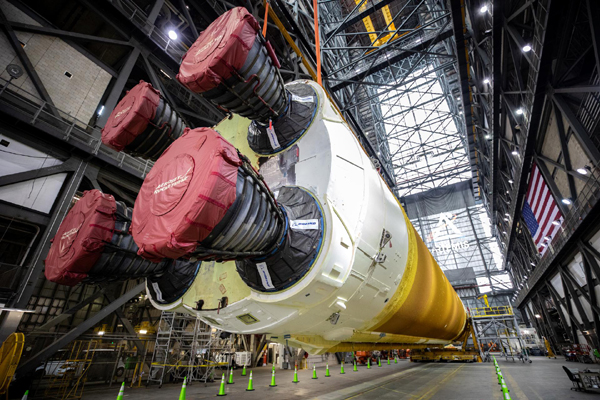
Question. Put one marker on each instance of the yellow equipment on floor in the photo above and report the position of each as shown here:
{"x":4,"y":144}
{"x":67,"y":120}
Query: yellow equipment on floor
{"x":10,"y":354}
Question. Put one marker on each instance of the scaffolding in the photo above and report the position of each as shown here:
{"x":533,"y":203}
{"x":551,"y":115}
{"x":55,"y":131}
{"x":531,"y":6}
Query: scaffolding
{"x":497,"y":330}
{"x":69,"y":376}
{"x":187,"y":347}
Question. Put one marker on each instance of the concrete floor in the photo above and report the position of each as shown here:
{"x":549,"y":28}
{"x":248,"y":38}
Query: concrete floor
{"x":543,"y":379}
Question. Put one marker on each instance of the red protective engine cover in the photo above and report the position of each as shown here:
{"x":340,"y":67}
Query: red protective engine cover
{"x":80,"y":239}
{"x":131,"y":116}
{"x":185,"y":195}
{"x":220,"y":49}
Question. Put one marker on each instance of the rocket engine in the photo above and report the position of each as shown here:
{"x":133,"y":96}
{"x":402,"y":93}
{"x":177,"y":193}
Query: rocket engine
{"x":308,"y":245}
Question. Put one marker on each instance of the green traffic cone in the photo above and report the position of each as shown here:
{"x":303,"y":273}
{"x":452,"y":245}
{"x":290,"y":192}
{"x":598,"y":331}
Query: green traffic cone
{"x":314,"y":372}
{"x":273,"y":384}
{"x":396,"y":360}
{"x":327,"y":374}
{"x":389,"y":360}
{"x":250,"y":388}
{"x":355,"y":369}
{"x":295,"y":375}
{"x":121,"y":392}
{"x":379,"y":361}
{"x":230,"y":381}
{"x":369,"y":363}
{"x":342,"y":369}
{"x":222,"y":387}
{"x":244,"y":371}
{"x":25,"y":395}
{"x":183,"y":389}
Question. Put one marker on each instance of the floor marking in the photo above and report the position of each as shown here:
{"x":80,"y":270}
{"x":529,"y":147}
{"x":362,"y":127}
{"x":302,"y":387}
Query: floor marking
{"x":395,"y":377}
{"x":398,"y":391}
{"x":438,"y":386}
{"x":513,"y":385}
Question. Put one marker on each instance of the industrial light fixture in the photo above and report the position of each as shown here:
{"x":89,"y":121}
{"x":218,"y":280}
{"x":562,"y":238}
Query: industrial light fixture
{"x":546,"y":237}
{"x":172,"y":35}
{"x":510,"y":181}
{"x":524,"y":276}
{"x":460,"y":113}
{"x":102,"y":109}
{"x":504,"y":232}
{"x":341,"y":304}
{"x":532,"y":264}
{"x":507,"y":214}
{"x":100,"y":333}
{"x":538,"y":316}
{"x":508,"y":191}
{"x":486,"y":81}
{"x":487,"y":136}
{"x":566,"y":201}
{"x":584,"y":171}
{"x":526,"y":48}
{"x":483,"y":9}
{"x":143,"y":331}
{"x":519,"y":111}
{"x":515,"y":152}
{"x":557,"y":222}
{"x":506,"y":219}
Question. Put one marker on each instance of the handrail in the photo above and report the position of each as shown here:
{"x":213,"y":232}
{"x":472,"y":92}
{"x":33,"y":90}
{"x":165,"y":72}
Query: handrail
{"x":33,"y":110}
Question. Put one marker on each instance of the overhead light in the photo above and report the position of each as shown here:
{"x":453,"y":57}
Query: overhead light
{"x":100,"y":333}
{"x":524,"y":276}
{"x":526,"y":48}
{"x":543,"y":245}
{"x":532,"y":264}
{"x":504,"y":232}
{"x":519,"y":111}
{"x":510,"y":181}
{"x":486,"y":81}
{"x":557,"y":222}
{"x":507,"y":214}
{"x":172,"y":35}
{"x":538,"y":316}
{"x":143,"y":331}
{"x":546,"y":237}
{"x":458,"y":98}
{"x":102,"y":109}
{"x":566,"y":201}
{"x":341,"y":304}
{"x":515,"y":153}
{"x":483,"y":9}
{"x":487,"y":136}
{"x":584,"y":171}
{"x":506,"y":219}
{"x":460,"y":113}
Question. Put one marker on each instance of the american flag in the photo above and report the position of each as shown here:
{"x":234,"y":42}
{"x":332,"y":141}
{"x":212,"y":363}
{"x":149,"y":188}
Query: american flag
{"x":540,"y":211}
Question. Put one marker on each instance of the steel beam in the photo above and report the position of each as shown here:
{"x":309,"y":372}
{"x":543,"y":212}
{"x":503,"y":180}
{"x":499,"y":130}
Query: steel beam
{"x":67,"y":166}
{"x":32,"y":363}
{"x":43,"y":30}
{"x":25,"y":214}
{"x":118,"y":86}
{"x":578,"y":129}
{"x":24,"y":59}
{"x":66,"y":314}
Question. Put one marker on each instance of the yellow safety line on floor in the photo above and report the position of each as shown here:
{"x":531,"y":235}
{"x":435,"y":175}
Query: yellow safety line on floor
{"x":398,"y":391}
{"x":429,"y":394}
{"x":400,"y":375}
{"x":513,"y":387}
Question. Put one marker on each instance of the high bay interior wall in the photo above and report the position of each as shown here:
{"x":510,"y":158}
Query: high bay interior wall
{"x":579,"y":308}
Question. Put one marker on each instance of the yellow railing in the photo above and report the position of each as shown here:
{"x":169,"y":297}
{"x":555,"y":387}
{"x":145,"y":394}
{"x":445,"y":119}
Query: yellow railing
{"x":481,"y":312}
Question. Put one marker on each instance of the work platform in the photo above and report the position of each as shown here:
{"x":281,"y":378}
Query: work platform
{"x":544,"y":379}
